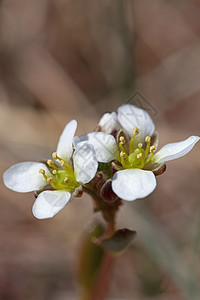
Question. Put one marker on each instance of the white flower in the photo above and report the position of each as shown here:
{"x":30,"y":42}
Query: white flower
{"x":64,"y":177}
{"x":135,"y":157}
{"x":109,"y":123}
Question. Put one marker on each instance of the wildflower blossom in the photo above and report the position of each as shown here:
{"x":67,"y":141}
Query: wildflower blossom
{"x":133,"y":152}
{"x":57,"y":179}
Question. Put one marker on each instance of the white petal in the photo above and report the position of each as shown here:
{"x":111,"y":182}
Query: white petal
{"x":109,"y":122}
{"x":64,"y":148}
{"x":76,"y":140}
{"x":104,"y":145}
{"x":175,"y":150}
{"x":132,"y":184}
{"x":85,"y":163}
{"x":49,"y":203}
{"x":25,"y":177}
{"x":131,"y":117}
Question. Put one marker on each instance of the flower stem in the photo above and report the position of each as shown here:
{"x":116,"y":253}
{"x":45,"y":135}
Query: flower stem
{"x":103,"y":280}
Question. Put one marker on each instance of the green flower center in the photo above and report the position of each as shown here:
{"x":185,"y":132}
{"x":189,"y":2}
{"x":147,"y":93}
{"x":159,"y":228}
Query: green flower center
{"x":62,"y":177}
{"x":137,"y":157}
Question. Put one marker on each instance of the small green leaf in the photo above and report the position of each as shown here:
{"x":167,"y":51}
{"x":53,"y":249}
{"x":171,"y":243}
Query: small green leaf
{"x":119,"y":240}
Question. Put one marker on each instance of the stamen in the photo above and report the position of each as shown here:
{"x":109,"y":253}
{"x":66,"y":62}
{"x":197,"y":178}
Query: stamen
{"x":66,"y":180}
{"x":123,"y":160}
{"x":140,"y":145}
{"x":50,"y":179}
{"x":62,"y":163}
{"x":135,"y":132}
{"x":152,"y":148}
{"x":42,"y":171}
{"x":148,"y":141}
{"x":54,"y":155}
{"x":54,"y":172}
{"x":50,"y":163}
{"x":139,"y":155}
{"x":122,"y":140}
{"x":122,"y":154}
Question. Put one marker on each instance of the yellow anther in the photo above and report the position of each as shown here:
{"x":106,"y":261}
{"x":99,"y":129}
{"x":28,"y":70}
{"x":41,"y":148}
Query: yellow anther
{"x":135,"y":131}
{"x":122,"y":140}
{"x":139,"y":155}
{"x":140,"y":145}
{"x":50,"y":163}
{"x":54,"y":172}
{"x":54,"y":155}
{"x":147,"y":139}
{"x":42,"y":171}
{"x":49,"y":180}
{"x":152,"y":148}
{"x":62,"y":163}
{"x":122,"y":154}
{"x":66,"y":180}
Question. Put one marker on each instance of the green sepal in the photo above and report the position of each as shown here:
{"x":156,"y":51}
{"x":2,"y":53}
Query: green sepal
{"x":105,"y":167}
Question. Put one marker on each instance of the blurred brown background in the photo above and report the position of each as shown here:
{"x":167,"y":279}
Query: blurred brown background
{"x":64,"y":59}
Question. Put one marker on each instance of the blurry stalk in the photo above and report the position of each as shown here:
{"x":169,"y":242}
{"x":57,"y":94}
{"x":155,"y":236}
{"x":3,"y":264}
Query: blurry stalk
{"x":95,"y":264}
{"x":162,"y":249}
{"x":102,"y":283}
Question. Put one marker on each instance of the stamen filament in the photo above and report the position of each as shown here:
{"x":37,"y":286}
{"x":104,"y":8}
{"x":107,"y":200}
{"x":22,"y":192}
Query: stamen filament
{"x":51,"y":164}
{"x":42,"y":171}
{"x":124,"y":163}
{"x":122,"y":148}
{"x":148,"y":141}
{"x":135,"y":132}
{"x":152,"y":149}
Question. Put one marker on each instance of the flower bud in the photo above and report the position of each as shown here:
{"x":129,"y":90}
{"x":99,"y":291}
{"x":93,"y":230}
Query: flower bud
{"x":107,"y":193}
{"x":160,"y":170}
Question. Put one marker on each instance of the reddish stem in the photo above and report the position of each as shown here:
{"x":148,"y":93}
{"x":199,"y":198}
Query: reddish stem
{"x":103,"y":280}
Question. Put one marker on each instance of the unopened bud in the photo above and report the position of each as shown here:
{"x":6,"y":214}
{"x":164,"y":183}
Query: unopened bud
{"x":107,"y":193}
{"x":160,"y":171}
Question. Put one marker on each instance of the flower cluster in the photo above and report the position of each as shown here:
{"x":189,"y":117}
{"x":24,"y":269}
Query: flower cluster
{"x":117,"y":161}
